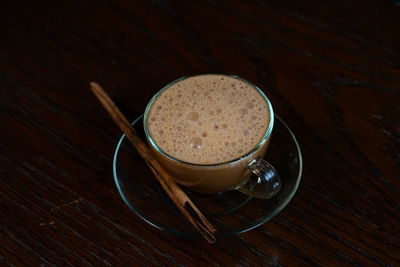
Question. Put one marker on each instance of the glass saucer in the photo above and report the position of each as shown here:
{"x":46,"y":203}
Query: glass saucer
{"x":230,"y":212}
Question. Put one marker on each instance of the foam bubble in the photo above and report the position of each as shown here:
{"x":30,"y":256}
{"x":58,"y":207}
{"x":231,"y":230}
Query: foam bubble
{"x":195,"y":142}
{"x":192,"y":117}
{"x":243,"y":111}
{"x":250,"y":105}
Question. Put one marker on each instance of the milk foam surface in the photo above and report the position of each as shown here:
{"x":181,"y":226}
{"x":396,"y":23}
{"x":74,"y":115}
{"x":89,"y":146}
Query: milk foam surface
{"x":208,"y":119}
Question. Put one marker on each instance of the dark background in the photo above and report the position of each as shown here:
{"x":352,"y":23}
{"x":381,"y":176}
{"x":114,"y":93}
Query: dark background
{"x":330,"y":68}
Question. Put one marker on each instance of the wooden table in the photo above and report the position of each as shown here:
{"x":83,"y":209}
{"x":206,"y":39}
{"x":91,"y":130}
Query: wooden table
{"x":331,"y":69}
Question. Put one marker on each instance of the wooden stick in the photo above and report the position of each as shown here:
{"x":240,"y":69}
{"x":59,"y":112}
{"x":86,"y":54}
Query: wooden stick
{"x":181,"y":200}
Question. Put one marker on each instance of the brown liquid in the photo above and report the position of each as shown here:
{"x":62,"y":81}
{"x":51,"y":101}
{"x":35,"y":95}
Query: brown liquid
{"x":210,"y":179}
{"x":209,"y":119}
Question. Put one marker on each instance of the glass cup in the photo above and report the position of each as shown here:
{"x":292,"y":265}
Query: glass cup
{"x":236,"y":174}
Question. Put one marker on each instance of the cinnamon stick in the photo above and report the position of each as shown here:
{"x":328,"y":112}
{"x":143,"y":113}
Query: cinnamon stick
{"x":181,"y":200}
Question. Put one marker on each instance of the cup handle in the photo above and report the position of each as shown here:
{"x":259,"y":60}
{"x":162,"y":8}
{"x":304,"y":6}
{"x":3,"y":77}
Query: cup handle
{"x":265,"y":183}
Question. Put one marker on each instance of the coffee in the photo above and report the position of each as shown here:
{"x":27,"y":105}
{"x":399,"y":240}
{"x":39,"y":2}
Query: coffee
{"x":208,"y":119}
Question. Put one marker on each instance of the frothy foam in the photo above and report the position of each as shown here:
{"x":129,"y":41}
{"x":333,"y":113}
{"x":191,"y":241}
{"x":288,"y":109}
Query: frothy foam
{"x":208,"y":119}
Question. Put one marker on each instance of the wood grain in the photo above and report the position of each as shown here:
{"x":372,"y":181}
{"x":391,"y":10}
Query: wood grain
{"x":330,"y":68}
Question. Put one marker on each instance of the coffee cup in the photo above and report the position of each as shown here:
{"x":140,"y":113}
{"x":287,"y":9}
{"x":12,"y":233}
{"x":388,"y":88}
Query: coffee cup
{"x":210,"y":133}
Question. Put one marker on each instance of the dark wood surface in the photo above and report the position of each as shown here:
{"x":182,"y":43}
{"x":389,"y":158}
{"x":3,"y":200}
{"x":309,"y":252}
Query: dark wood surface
{"x":331,"y":69}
